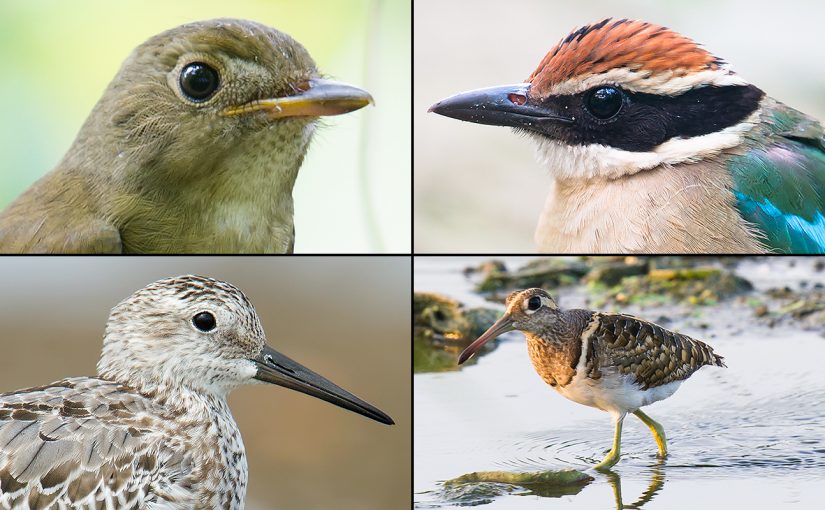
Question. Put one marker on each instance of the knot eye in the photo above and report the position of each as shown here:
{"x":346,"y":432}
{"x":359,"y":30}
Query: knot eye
{"x":604,"y":102}
{"x":534,"y":303}
{"x":204,"y":321}
{"x":199,"y":81}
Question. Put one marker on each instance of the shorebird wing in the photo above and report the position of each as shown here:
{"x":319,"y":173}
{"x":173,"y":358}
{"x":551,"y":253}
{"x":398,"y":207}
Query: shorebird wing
{"x":652,"y":354}
{"x":83,"y":442}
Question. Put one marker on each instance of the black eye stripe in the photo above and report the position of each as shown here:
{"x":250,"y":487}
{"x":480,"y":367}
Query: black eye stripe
{"x":604,"y":103}
{"x":648,"y":120}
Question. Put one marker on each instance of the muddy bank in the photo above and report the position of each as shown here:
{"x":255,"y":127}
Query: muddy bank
{"x":666,"y":287}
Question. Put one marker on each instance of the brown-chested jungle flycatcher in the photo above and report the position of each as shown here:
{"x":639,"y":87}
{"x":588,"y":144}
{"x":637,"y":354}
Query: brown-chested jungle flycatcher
{"x":194,"y":147}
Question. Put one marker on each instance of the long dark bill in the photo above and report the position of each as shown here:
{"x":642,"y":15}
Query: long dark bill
{"x":498,"y":106}
{"x":275,"y":368}
{"x":501,"y":326}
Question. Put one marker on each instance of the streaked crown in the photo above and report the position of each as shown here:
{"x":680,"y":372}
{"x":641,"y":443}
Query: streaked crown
{"x":185,"y":331}
{"x":637,"y":55}
{"x":529,"y":301}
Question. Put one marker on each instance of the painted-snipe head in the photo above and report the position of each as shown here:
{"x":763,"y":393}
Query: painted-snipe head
{"x":531,"y":310}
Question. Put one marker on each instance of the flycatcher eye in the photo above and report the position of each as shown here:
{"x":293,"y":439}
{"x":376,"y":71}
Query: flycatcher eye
{"x":199,"y":81}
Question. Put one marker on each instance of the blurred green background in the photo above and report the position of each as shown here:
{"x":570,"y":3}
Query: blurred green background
{"x":346,"y":318}
{"x":353,"y":192}
{"x":479,"y":188}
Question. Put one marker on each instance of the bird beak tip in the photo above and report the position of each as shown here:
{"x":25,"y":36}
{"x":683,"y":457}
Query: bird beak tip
{"x":501,"y":326}
{"x":275,"y":368}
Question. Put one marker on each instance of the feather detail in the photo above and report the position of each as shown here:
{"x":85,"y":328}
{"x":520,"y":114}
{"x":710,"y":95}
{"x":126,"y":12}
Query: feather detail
{"x":779,"y":182}
{"x":651,"y":354}
{"x":92,"y":443}
{"x":646,"y":50}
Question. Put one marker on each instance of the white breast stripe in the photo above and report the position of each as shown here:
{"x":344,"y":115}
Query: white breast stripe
{"x":589,"y":330}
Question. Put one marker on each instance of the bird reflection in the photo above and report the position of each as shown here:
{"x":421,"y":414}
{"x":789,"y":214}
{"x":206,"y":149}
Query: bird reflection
{"x":483,"y":487}
{"x":657,"y":481}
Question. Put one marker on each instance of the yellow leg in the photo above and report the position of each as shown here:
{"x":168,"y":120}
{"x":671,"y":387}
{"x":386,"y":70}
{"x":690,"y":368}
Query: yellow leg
{"x":616,"y":452}
{"x":658,"y":431}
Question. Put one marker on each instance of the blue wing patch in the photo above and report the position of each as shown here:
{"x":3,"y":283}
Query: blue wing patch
{"x":787,"y":232}
{"x":779,"y":182}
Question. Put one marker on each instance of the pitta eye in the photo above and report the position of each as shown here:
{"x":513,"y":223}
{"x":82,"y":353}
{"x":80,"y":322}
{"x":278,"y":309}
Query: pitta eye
{"x":604,"y":102}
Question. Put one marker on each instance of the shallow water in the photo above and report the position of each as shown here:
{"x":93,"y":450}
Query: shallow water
{"x":748,"y":436}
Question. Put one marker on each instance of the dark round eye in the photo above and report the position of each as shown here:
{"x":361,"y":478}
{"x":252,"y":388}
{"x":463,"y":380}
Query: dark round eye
{"x":534,"y":303}
{"x":204,"y":321}
{"x":604,"y":102}
{"x":198,"y":81}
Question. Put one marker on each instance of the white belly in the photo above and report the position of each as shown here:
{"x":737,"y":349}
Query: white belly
{"x":614,"y":393}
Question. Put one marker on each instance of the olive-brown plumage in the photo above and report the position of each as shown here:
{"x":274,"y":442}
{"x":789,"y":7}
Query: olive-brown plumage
{"x":194,"y":147}
{"x":614,"y":362}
